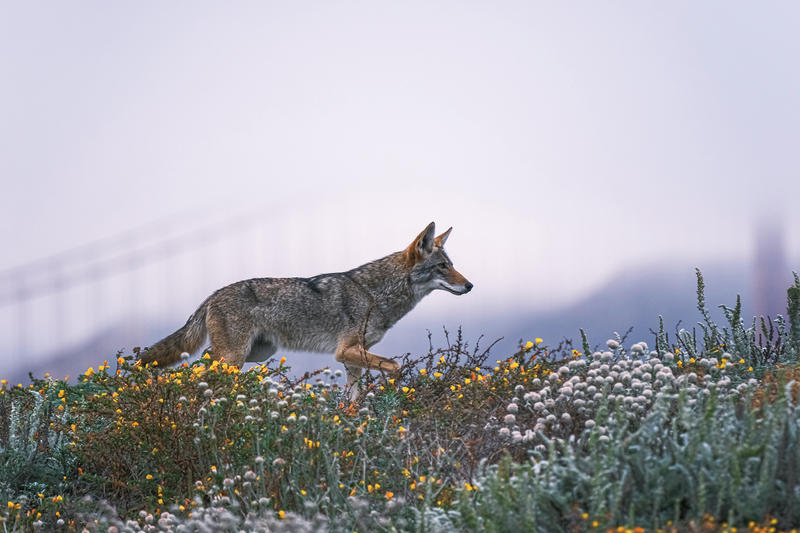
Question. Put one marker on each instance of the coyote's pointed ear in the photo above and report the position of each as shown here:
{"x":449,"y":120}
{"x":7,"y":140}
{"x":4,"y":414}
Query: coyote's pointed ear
{"x":441,"y":239}
{"x":423,"y":244}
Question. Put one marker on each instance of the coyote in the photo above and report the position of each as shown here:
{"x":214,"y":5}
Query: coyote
{"x":344,"y":312}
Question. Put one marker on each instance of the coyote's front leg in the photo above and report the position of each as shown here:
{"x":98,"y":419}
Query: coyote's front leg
{"x":355,"y":357}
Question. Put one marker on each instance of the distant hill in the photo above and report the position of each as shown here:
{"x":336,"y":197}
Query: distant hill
{"x":635,"y":299}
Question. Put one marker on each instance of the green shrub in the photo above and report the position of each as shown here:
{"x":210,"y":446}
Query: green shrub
{"x":683,"y":463}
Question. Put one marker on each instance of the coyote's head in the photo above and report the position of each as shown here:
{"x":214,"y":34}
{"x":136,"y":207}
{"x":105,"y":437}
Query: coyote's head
{"x":431,"y":268}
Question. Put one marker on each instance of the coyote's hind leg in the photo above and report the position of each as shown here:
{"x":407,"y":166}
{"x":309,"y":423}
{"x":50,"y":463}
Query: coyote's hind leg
{"x":227,"y":344}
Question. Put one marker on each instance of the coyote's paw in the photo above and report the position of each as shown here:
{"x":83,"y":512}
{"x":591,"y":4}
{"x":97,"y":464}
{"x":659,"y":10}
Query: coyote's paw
{"x":392,"y":367}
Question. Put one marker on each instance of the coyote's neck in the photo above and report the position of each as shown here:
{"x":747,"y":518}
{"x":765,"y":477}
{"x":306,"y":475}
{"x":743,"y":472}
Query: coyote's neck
{"x":387,"y":280}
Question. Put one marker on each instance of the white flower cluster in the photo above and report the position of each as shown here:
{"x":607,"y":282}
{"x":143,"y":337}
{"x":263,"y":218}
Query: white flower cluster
{"x":221,"y":516}
{"x":568,"y":399}
{"x":279,"y":397}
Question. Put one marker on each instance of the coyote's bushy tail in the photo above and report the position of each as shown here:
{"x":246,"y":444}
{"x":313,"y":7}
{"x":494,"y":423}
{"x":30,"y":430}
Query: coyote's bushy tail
{"x":187,"y":339}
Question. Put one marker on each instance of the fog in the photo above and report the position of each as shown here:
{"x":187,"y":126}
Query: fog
{"x":563,"y":142}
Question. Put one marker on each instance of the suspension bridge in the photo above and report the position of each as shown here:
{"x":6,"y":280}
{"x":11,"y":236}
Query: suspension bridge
{"x":131,"y":288}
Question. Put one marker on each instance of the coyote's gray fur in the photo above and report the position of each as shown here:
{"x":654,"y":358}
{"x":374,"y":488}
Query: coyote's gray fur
{"x":344,"y":313}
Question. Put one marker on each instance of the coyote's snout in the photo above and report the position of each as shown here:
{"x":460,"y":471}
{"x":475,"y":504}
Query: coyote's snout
{"x":344,"y":313}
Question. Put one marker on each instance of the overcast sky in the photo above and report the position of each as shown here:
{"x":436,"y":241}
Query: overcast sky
{"x":564,"y":141}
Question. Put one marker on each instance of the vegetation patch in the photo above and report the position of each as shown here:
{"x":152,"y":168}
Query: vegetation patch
{"x":698,"y":432}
